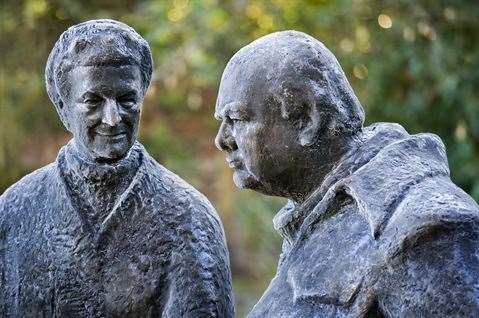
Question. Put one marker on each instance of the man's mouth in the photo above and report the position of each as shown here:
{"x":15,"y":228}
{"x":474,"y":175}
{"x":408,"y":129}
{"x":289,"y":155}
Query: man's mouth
{"x":234,"y":163}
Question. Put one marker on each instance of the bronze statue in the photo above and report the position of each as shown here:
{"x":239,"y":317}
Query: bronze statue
{"x":106,"y":231}
{"x":374,"y":226}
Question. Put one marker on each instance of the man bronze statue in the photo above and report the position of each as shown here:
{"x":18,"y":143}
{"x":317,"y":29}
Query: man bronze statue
{"x":374,"y":226}
{"x":106,"y":231}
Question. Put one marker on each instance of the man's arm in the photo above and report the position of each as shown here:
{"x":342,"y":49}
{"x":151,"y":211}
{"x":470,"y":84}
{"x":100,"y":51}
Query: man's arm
{"x":199,"y":277}
{"x":435,"y":273}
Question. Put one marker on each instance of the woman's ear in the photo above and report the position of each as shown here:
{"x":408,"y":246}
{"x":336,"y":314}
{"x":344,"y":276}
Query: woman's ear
{"x":65,"y":115}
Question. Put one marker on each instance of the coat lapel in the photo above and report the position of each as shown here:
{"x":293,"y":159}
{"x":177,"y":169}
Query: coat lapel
{"x":128,"y":202}
{"x":330,"y":258}
{"x":335,"y":249}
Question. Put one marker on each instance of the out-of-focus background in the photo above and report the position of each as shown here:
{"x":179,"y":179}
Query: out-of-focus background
{"x":415,"y":62}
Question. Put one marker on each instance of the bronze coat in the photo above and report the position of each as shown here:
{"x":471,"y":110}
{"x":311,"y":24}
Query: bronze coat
{"x":386,"y":235}
{"x":159,"y":253}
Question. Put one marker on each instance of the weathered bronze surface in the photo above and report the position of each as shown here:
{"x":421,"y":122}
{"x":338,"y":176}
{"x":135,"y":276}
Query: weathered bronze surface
{"x":374,"y":226}
{"x":106,"y":231}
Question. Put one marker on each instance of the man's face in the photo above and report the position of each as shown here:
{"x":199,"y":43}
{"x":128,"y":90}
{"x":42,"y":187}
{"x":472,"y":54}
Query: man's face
{"x":104,"y":109}
{"x":259,"y":144}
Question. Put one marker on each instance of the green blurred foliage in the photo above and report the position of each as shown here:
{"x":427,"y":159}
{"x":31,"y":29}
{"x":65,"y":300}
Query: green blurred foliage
{"x":414,"y":62}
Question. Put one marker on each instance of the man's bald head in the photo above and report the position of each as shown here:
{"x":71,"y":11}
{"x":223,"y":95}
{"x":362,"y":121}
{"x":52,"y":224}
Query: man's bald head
{"x":295,"y":71}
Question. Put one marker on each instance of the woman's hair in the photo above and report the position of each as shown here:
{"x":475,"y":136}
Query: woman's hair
{"x":94,"y":43}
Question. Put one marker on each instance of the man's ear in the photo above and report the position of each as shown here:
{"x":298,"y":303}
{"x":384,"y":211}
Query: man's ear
{"x":310,"y":126}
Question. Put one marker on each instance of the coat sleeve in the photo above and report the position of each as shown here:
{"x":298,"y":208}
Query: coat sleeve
{"x":199,"y":275}
{"x":433,"y":273}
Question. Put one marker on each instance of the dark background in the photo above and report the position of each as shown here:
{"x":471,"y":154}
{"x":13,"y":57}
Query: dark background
{"x":415,"y":62}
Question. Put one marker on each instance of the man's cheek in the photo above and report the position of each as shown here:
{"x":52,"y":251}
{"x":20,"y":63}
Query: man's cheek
{"x":254,"y":163}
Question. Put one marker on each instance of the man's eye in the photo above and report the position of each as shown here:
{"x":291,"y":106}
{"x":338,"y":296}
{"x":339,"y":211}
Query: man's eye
{"x":237,"y":119}
{"x":233,"y":118}
{"x":92,"y":101}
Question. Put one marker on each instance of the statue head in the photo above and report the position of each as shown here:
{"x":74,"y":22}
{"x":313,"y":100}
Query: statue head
{"x":96,"y":76}
{"x":287,"y":113}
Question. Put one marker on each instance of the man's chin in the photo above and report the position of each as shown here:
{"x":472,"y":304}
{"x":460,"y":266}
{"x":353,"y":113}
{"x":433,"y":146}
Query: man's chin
{"x":245,"y":180}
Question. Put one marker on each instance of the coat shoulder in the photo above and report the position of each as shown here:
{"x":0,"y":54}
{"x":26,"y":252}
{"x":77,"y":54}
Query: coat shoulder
{"x":431,"y":267}
{"x":186,"y":201}
{"x":431,"y":207}
{"x":35,"y":180}
{"x":33,"y":185}
{"x":27,"y":196}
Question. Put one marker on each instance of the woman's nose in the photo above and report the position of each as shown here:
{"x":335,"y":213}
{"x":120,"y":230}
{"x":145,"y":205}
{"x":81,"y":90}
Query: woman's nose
{"x":111,"y":115}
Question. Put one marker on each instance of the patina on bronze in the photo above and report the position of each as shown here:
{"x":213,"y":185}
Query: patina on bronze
{"x":106,"y":231}
{"x":374,"y":226}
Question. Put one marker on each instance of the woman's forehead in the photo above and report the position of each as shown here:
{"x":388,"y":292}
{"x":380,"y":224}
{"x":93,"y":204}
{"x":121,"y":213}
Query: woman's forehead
{"x":100,"y":76}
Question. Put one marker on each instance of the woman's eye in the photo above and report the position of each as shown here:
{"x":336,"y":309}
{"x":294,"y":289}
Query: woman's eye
{"x":127,"y":102}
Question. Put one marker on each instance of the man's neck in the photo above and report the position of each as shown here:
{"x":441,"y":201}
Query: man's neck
{"x":320,"y":166}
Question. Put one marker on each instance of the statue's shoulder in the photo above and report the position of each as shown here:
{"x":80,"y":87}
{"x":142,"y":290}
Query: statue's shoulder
{"x":437,"y":209}
{"x":407,"y":194}
{"x":31,"y":185}
{"x":179,"y":195}
{"x":30,"y":191}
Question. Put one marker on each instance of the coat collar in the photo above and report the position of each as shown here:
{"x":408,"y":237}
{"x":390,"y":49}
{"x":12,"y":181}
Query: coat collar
{"x":379,"y":186}
{"x":83,"y":169}
{"x":128,"y":200}
{"x":376,"y":176}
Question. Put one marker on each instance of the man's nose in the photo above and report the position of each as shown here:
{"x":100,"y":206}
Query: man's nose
{"x":224,"y":141}
{"x":111,"y":115}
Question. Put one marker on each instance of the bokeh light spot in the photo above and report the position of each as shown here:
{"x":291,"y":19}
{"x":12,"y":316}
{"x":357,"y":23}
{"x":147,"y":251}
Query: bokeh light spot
{"x":362,"y":39}
{"x":265,"y":22}
{"x":426,"y":30}
{"x":449,"y":14}
{"x":346,"y":45}
{"x":253,"y":11}
{"x":360,"y":71}
{"x":385,"y":21}
{"x":460,"y":133}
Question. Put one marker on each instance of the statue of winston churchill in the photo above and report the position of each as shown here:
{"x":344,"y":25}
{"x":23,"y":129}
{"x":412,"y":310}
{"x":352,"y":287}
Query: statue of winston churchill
{"x":374,"y":227}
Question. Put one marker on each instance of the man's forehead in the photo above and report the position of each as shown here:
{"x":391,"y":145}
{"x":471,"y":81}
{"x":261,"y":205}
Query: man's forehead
{"x":224,"y":108}
{"x":241,"y":86}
